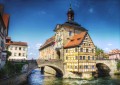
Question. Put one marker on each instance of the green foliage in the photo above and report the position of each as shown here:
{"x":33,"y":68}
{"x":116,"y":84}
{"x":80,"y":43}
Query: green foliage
{"x":118,"y":65}
{"x":100,"y":53}
{"x":11,"y":68}
{"x":18,"y":67}
{"x":8,"y":54}
{"x":2,"y":72}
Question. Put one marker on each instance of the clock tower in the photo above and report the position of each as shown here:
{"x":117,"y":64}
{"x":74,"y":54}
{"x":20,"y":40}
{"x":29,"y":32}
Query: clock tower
{"x":64,"y":32}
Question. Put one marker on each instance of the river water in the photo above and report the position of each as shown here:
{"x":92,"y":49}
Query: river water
{"x":36,"y":78}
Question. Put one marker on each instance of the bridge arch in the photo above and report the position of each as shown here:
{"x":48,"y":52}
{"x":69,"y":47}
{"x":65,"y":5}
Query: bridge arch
{"x":103,"y":69}
{"x":109,"y":66}
{"x":59,"y":71}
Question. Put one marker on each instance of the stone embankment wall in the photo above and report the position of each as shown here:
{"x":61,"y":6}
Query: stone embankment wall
{"x":17,"y":79}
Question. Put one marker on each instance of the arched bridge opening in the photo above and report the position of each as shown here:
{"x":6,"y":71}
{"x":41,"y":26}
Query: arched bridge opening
{"x":57,"y":65}
{"x":102,"y":70}
{"x":59,"y":72}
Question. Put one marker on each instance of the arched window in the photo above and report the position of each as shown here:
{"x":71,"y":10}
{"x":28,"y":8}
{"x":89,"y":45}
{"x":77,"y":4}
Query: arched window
{"x":19,"y":48}
{"x":93,"y":67}
{"x":75,"y":67}
{"x":75,"y":49}
{"x":19,"y":54}
{"x":87,"y":50}
{"x":93,"y":58}
{"x":80,"y":57}
{"x":81,"y":49}
{"x":92,"y":50}
{"x":88,"y":57}
{"x":83,"y":57}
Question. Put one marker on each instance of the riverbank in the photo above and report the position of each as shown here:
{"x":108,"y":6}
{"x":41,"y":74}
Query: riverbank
{"x":117,"y":73}
{"x":16,"y":80}
{"x":13,"y":73}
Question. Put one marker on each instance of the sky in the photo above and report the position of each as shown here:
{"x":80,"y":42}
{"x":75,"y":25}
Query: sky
{"x":33,"y":21}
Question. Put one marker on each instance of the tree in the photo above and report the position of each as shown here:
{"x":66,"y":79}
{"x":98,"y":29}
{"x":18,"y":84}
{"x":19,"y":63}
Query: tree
{"x":99,"y":53}
{"x":8,"y":55}
{"x":118,"y":65}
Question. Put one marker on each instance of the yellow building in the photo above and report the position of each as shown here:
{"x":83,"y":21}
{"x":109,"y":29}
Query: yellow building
{"x":79,"y":54}
{"x":47,"y":49}
{"x":71,"y":44}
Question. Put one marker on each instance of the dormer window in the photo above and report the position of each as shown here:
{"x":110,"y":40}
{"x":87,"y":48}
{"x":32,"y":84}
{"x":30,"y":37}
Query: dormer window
{"x":78,"y":39}
{"x":72,"y":40}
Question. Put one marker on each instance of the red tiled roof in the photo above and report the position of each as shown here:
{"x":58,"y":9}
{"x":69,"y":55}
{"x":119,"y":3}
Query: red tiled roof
{"x":6,"y":19}
{"x":48,"y":42}
{"x":17,"y":43}
{"x":114,"y":51}
{"x":76,"y":40}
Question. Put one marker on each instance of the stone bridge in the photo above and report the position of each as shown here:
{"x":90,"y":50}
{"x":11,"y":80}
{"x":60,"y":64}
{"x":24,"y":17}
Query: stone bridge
{"x":58,"y":66}
{"x":111,"y":64}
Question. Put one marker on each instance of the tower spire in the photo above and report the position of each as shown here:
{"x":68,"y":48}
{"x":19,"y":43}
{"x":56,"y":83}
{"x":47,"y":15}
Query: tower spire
{"x":70,"y":14}
{"x":70,"y":5}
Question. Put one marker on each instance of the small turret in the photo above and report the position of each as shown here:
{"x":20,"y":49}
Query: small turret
{"x":70,"y":14}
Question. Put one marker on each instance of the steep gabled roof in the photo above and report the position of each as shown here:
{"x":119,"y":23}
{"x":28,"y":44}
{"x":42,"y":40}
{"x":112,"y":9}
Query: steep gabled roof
{"x":76,"y":40}
{"x":48,"y":42}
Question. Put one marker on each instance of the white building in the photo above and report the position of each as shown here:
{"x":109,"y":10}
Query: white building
{"x":114,"y":54}
{"x":18,"y":50}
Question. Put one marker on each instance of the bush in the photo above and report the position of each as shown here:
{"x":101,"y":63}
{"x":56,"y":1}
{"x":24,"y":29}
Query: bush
{"x":2,"y":73}
{"x":118,"y":65}
{"x":10,"y":69}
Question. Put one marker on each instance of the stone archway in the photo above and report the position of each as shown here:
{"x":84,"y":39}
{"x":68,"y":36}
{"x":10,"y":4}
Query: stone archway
{"x":59,"y":72}
{"x":58,"y":54}
{"x":102,"y":70}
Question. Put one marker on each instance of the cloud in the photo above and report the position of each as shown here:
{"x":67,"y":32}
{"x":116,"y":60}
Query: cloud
{"x":30,"y":53}
{"x":106,"y":49}
{"x":109,"y":44}
{"x":38,"y":45}
{"x":91,"y":10}
{"x":41,"y":12}
{"x":76,"y":4}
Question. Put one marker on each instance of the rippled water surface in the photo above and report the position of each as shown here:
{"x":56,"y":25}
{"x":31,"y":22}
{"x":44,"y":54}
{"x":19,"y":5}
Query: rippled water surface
{"x":37,"y":79}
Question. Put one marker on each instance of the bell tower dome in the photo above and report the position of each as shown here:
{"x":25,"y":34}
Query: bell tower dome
{"x":70,"y":14}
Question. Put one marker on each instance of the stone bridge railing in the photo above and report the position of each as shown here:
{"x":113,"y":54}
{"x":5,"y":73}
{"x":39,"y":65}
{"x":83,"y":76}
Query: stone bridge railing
{"x":51,"y":62}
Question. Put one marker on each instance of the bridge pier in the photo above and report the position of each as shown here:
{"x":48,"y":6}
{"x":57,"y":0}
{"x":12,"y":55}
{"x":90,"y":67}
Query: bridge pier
{"x":42,"y":70}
